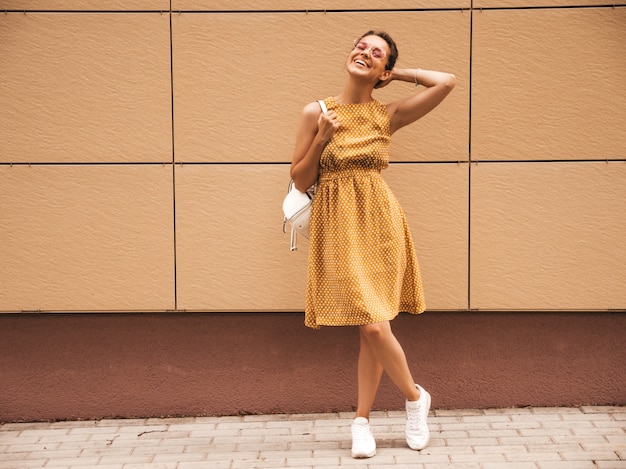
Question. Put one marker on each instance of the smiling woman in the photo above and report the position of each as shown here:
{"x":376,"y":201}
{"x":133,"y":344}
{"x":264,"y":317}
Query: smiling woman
{"x":362,"y":268}
{"x":379,"y":53}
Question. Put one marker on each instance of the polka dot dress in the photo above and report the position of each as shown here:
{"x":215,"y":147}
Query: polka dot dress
{"x":362,"y":263}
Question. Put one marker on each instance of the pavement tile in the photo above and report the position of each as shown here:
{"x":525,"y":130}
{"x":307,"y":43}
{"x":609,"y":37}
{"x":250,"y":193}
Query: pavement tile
{"x":589,"y":455}
{"x":330,"y":417}
{"x":124,"y":459}
{"x":457,"y":412}
{"x":603,"y":409}
{"x":525,"y":440}
{"x":55,"y":462}
{"x":489,"y":419}
{"x":118,"y":422}
{"x":471,"y":441}
{"x":493,"y":433}
{"x":479,"y":458}
{"x":569,"y":447}
{"x":610,"y":464}
{"x":19,"y":440}
{"x":516,"y":425}
{"x":611,"y":431}
{"x":501,"y":449}
{"x":539,"y":432}
{"x":618,"y":439}
{"x":203,"y":465}
{"x":21,"y":426}
{"x":508,"y":411}
{"x":397,"y":466}
{"x":447,"y":449}
{"x":313,"y":461}
{"x":556,"y":410}
{"x":588,"y":417}
{"x":510,"y":465}
{"x":178,"y":457}
{"x":30,"y":447}
{"x":314,"y":446}
{"x":160,"y":449}
{"x":592,"y":447}
{"x":543,"y":417}
{"x":45,"y":432}
{"x":534,"y":457}
{"x":462,"y":465}
{"x":100,"y":466}
{"x":53,"y":455}
{"x":580,"y":439}
{"x":151,"y":466}
{"x":567,"y":465}
{"x":30,"y":463}
{"x":422,"y":458}
{"x":91,"y":430}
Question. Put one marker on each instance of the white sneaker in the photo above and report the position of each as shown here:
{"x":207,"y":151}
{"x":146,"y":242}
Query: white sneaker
{"x":417,"y":433}
{"x":363,"y":443}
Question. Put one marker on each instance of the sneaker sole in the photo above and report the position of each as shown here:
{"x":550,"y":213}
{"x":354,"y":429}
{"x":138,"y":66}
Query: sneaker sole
{"x":364,"y":455}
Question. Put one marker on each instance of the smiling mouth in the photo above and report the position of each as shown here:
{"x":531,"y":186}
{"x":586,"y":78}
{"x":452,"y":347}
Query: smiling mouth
{"x":361,"y":62}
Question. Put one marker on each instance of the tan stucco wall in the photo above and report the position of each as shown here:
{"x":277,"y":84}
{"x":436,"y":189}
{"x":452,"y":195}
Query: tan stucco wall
{"x":144,"y":153}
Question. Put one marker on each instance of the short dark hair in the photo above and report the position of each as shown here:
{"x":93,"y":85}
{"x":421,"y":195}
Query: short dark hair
{"x":393,"y":48}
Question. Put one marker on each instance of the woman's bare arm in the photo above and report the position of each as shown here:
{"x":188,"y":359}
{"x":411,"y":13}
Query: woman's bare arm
{"x":314,"y":131}
{"x":407,"y":110}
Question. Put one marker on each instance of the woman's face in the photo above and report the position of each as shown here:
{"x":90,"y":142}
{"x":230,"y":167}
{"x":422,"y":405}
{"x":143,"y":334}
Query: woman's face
{"x":369,"y":57}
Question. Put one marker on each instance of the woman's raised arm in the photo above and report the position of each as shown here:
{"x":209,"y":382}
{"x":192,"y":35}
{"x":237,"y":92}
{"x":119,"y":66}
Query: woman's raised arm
{"x":407,"y":110}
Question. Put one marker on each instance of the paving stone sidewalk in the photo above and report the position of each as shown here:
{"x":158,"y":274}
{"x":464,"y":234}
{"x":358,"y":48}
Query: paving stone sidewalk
{"x":526,"y":438}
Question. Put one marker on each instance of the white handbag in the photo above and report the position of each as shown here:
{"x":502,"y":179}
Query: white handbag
{"x":297,"y":206}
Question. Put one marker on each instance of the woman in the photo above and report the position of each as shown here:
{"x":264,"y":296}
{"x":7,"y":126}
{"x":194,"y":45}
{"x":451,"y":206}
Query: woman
{"x":362,"y":264}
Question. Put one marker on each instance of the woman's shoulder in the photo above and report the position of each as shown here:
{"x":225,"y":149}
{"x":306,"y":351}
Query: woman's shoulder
{"x":314,"y":107}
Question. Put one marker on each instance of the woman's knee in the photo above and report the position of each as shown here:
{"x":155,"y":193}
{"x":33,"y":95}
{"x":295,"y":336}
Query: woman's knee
{"x":376,"y":331}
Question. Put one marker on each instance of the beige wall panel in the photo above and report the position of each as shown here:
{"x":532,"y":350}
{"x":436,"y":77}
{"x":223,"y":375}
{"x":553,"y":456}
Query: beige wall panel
{"x":85,"y":88}
{"x":435,"y":200}
{"x":251,"y":5}
{"x":85,"y":5}
{"x":549,"y":84}
{"x":86,"y":238}
{"x":239,"y":89}
{"x":548,"y":236}
{"x":232,"y":255}
{"x":535,"y":3}
{"x":231,"y":251}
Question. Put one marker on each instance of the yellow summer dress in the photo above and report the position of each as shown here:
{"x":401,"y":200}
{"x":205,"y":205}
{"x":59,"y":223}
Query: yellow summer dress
{"x":362,"y":263}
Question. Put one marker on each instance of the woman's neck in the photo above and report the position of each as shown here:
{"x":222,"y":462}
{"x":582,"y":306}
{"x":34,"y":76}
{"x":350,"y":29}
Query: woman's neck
{"x":355,"y":93}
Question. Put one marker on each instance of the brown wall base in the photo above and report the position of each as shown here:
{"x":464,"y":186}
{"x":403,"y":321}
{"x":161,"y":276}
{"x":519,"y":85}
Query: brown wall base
{"x":87,"y":366}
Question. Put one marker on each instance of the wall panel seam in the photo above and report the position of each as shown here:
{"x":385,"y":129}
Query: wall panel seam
{"x":469,"y":171}
{"x":131,"y":12}
{"x":319,"y":11}
{"x":286,"y":163}
{"x":322,"y":11}
{"x":569,"y":161}
{"x":551,"y":7}
{"x":174,"y":247}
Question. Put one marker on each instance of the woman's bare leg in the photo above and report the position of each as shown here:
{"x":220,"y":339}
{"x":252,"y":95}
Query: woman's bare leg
{"x":369,"y":373}
{"x":385,"y":349}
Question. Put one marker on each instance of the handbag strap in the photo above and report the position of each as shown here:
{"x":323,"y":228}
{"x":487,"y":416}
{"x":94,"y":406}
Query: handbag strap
{"x":323,"y":106}
{"x":294,"y":235}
